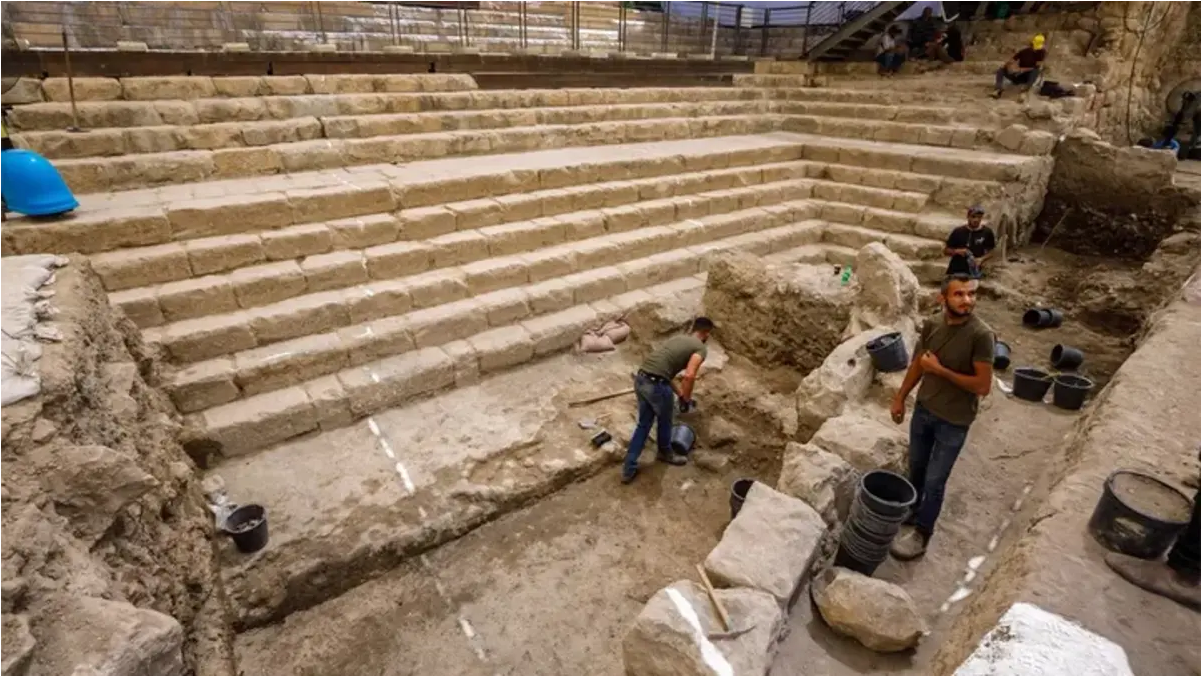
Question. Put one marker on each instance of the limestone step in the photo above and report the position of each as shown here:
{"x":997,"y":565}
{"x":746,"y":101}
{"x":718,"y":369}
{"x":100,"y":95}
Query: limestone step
{"x":158,"y":216}
{"x":909,"y":247}
{"x":254,"y":134}
{"x":927,"y":225}
{"x":157,"y":169}
{"x":950,"y":136}
{"x":898,"y":112}
{"x":454,"y":352}
{"x":927,"y":272}
{"x":224,"y":328}
{"x":457,"y":231}
{"x":95,"y":115}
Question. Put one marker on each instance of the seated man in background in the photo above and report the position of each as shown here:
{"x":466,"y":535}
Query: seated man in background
{"x":1022,"y":68}
{"x":891,"y":54}
{"x":970,"y":245}
{"x":922,"y":31}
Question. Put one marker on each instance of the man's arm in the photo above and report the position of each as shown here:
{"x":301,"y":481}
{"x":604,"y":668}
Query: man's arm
{"x":909,"y":382}
{"x":685,"y":390}
{"x":953,"y":246}
{"x":978,"y":383}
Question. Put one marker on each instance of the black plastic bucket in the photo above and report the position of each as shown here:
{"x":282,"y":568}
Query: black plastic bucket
{"x":247,"y":525}
{"x":1031,"y":384}
{"x":1139,"y":515}
{"x":1042,"y":318}
{"x":1001,"y":355}
{"x":738,"y":494}
{"x":1070,"y":390}
{"x":883,"y":500}
{"x":1066,"y":358}
{"x":888,"y":352}
{"x":682,"y":439}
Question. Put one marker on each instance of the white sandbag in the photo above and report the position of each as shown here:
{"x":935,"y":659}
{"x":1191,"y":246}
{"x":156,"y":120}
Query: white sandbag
{"x":616,"y":330}
{"x":596,"y":343}
{"x":23,"y":303}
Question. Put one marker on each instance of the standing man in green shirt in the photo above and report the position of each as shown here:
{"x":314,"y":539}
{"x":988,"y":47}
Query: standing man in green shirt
{"x":655,"y":385}
{"x":954,"y":362}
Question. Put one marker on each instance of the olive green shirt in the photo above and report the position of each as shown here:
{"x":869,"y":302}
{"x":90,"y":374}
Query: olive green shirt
{"x":672,"y":356}
{"x":957,"y":346}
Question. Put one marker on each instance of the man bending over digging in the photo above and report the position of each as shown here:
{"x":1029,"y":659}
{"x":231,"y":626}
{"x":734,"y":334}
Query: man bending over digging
{"x":655,"y":386}
{"x":954,"y":362}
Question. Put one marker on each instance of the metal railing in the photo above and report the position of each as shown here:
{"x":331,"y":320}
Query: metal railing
{"x":682,"y":28}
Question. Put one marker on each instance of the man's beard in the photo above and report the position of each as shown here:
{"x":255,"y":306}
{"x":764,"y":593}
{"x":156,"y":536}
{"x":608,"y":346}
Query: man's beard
{"x":955,"y":313}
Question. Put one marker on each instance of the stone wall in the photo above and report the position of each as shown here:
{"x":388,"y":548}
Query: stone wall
{"x":1113,"y":200}
{"x":108,"y":562}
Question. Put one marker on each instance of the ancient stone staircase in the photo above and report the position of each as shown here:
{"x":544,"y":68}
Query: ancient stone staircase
{"x":306,"y":252}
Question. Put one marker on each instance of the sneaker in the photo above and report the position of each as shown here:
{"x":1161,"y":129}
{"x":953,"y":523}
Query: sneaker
{"x":997,"y":94}
{"x":628,"y":478}
{"x":671,"y":458}
{"x":1156,"y":577}
{"x":909,"y":545}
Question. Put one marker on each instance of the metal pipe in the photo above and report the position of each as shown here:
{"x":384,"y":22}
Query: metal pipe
{"x":714,"y":37}
{"x":70,"y":82}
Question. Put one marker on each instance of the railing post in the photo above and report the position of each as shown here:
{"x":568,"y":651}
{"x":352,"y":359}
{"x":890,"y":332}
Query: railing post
{"x":522,"y":24}
{"x":738,"y":47}
{"x":714,"y":36}
{"x":621,"y":26}
{"x":764,"y":32}
{"x":705,"y":14}
{"x":805,"y":33}
{"x":663,"y":41}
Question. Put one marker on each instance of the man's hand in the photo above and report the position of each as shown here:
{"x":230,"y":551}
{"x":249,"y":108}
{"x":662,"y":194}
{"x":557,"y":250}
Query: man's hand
{"x":898,"y":409}
{"x":930,"y":363}
{"x":685,"y":405}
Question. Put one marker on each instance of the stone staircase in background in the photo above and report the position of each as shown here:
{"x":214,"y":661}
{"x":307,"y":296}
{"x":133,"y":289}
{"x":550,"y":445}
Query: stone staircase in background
{"x":304,"y":253}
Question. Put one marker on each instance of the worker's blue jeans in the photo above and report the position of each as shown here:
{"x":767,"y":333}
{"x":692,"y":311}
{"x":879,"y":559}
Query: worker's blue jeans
{"x":1027,"y":78}
{"x":935,"y":445}
{"x":656,"y":401}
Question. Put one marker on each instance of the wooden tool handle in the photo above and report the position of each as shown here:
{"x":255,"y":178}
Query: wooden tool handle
{"x":709,"y":589}
{"x":600,"y":398}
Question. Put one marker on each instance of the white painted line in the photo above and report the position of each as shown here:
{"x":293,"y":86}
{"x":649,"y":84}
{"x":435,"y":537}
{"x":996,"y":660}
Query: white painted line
{"x":421,"y":512}
{"x":467,"y":628}
{"x":400,"y":468}
{"x":375,"y":427}
{"x":375,"y":378}
{"x":709,"y":653}
{"x":993,"y":542}
{"x":387,"y":449}
{"x":976,"y":562}
{"x":961,"y":593}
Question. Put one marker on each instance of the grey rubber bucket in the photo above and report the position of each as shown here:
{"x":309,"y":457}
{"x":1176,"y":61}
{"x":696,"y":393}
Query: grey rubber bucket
{"x":888,"y":352}
{"x":1070,"y":390}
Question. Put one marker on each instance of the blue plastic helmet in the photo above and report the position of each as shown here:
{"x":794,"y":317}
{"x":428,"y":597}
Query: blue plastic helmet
{"x":32,"y":186}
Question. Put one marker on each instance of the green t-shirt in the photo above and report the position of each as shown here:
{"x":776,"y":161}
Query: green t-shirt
{"x":957,"y":346}
{"x":672,"y":356}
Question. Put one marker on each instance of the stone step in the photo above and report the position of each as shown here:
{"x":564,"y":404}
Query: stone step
{"x":929,"y":272}
{"x":224,"y":328}
{"x":948,"y":136}
{"x":157,"y":169}
{"x":981,"y":165}
{"x":251,"y":107}
{"x":256,"y":134}
{"x":452,"y":345}
{"x":928,"y":225}
{"x":914,"y":114}
{"x":909,"y":247}
{"x":158,"y":216}
{"x":321,"y":253}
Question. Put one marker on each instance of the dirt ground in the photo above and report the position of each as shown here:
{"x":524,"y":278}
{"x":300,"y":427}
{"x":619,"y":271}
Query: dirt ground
{"x":552,"y":588}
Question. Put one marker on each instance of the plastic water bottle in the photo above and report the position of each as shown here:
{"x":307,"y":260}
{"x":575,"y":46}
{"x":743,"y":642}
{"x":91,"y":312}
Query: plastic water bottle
{"x":846,"y":276}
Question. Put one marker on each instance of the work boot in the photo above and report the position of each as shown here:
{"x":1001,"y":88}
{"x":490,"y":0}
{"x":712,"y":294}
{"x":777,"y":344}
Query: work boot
{"x":671,"y":458}
{"x":627,"y":478}
{"x":910,"y":544}
{"x":1156,"y":577}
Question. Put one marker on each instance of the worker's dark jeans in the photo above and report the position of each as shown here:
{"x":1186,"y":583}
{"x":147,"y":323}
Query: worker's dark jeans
{"x":1184,"y":555}
{"x":890,"y":62}
{"x":935,"y":445}
{"x":656,"y":401}
{"x":1027,"y":78}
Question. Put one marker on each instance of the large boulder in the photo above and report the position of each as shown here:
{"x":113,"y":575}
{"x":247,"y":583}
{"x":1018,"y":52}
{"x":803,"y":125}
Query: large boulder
{"x":864,"y":442}
{"x":819,"y":478}
{"x":678,"y":633}
{"x":887,"y":292}
{"x":876,"y":613}
{"x":90,"y":483}
{"x":776,"y":314}
{"x":92,"y":636}
{"x":769,"y":546}
{"x":18,"y":644}
{"x":844,"y":376}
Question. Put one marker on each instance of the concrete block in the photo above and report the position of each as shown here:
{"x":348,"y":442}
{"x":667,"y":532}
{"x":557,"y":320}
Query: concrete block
{"x":139,"y":305}
{"x":208,"y":337}
{"x":289,"y":363}
{"x":496,"y":273}
{"x":267,"y":283}
{"x":167,"y":87}
{"x":769,"y":546}
{"x":126,"y":269}
{"x":198,"y":297}
{"x":222,"y":253}
{"x":330,"y":402}
{"x":398,"y":259}
{"x":203,"y":385}
{"x":448,"y":322}
{"x":334,"y":270}
{"x":255,"y":422}
{"x":302,"y":316}
{"x":501,"y":348}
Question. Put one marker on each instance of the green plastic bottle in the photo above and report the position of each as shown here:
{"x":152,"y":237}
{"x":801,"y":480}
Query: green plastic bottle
{"x":846,"y":276}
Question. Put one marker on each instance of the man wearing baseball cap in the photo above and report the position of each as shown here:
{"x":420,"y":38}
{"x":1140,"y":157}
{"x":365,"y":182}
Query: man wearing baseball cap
{"x":970,"y":245}
{"x":1022,"y":68}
